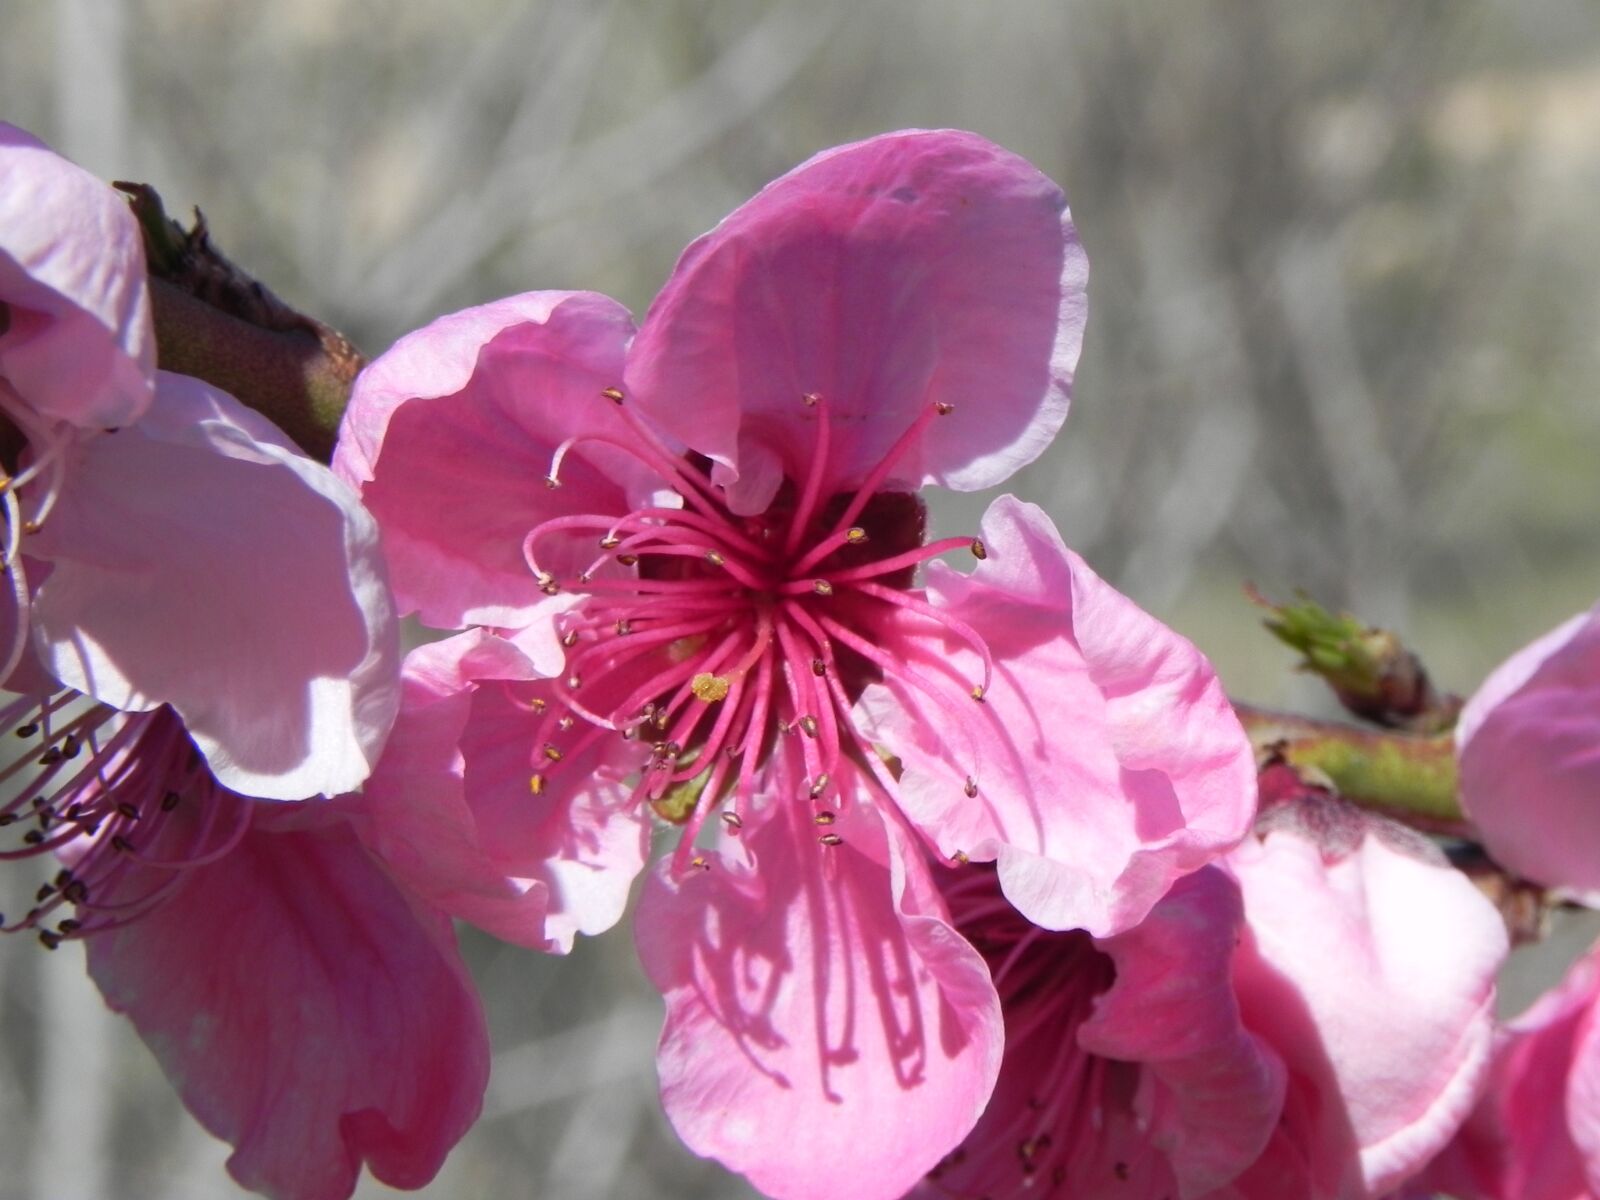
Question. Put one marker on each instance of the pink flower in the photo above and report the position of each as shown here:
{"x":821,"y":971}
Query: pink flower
{"x":709,"y":609}
{"x":1529,"y":748}
{"x":1535,"y":1134}
{"x":1128,"y":1069}
{"x":200,"y":625}
{"x":1309,"y":1020}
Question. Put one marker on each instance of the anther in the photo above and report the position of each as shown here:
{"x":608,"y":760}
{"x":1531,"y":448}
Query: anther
{"x":118,"y":842}
{"x":733,"y":821}
{"x":7,"y":819}
{"x":977,"y":692}
{"x":818,"y":667}
{"x":624,"y":627}
{"x":570,"y":638}
{"x":69,"y":926}
{"x":131,"y":811}
{"x":550,"y":589}
{"x":50,"y":757}
{"x":552,"y":752}
{"x":49,"y":940}
{"x":28,"y":730}
{"x":714,"y":558}
{"x":699,"y":863}
{"x":972,"y":787}
{"x":979,"y":550}
{"x":613,"y":394}
{"x":943,"y":409}
{"x":811,"y":399}
{"x":77,"y":891}
{"x":551,"y":482}
{"x":820,"y":786}
{"x":627,"y":560}
{"x":565,"y":723}
{"x":822,"y":587}
{"x":576,"y":681}
{"x":170,"y":801}
{"x":825,"y":817}
{"x":855,"y":535}
{"x":831,"y":839}
{"x":33,"y":837}
{"x":808,"y":725}
{"x":584,"y":577}
{"x":44,"y":893}
{"x":961,"y":858}
{"x":536,"y":785}
{"x":537,"y":704}
{"x":709,"y":688}
{"x":610,"y":542}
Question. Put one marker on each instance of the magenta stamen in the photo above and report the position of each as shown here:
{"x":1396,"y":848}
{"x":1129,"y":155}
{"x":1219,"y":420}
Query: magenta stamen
{"x":910,"y":558}
{"x":958,"y":627}
{"x":869,"y":486}
{"x":814,"y":475}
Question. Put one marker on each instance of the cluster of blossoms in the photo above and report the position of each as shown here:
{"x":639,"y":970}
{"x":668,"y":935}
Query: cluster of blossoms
{"x":976,"y":885}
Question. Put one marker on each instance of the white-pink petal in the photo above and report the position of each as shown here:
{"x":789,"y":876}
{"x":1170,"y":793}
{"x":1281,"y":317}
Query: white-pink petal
{"x":76,"y":339}
{"x":1105,"y":759}
{"x":198,"y":560}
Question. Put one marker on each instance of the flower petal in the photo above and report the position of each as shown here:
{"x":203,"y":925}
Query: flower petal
{"x":77,"y":342}
{"x":910,"y":269}
{"x":828,"y":1033}
{"x":1383,"y":1016}
{"x":449,"y":809}
{"x":198,"y":527}
{"x":1106,"y":759}
{"x":451,"y":433}
{"x":307,"y":1013}
{"x":1215,"y":1089}
{"x":1529,"y":748}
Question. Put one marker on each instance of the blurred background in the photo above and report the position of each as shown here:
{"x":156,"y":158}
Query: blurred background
{"x":1344,"y":332}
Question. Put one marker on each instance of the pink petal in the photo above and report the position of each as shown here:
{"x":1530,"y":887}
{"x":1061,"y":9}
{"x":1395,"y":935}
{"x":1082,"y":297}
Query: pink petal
{"x":910,"y":269}
{"x":1214,"y":1090}
{"x":307,"y":1013}
{"x":450,"y":810}
{"x":450,"y":435}
{"x":1107,"y":760}
{"x":199,"y":528}
{"x":1373,"y":978}
{"x":1529,"y":748}
{"x":77,"y":344}
{"x":828,"y":1033}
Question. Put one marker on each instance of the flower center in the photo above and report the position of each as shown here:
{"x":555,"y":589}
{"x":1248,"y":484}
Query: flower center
{"x":712,"y":637}
{"x":124,"y":798}
{"x":1050,"y":1127}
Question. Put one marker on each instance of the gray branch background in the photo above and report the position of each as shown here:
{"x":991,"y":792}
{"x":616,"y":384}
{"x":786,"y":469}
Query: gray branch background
{"x":1343,"y":336}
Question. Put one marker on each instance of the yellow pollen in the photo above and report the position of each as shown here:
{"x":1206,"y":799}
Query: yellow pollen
{"x":855,"y":535}
{"x":831,"y":839}
{"x":808,"y":726}
{"x":613,"y":394}
{"x":715,"y":559}
{"x":537,"y":785}
{"x":979,"y":550}
{"x":825,"y":817}
{"x":699,"y":863}
{"x":820,"y":786}
{"x":553,"y":753}
{"x":961,"y":858}
{"x":708,"y":687}
{"x":977,"y":692}
{"x":822,"y":587}
{"x":537,"y":704}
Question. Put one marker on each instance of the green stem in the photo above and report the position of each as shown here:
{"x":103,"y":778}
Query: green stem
{"x":1407,"y":776}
